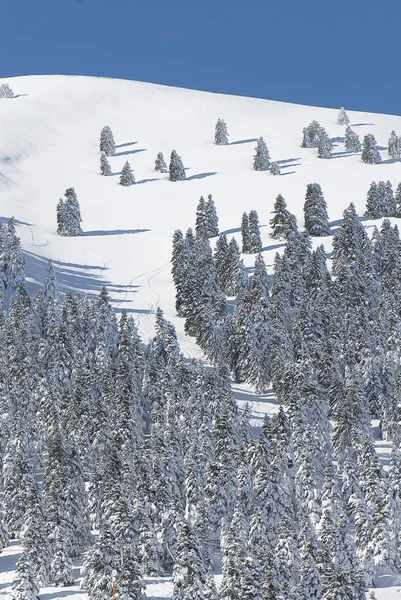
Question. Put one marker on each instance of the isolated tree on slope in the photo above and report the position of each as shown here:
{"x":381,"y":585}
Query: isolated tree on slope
{"x":315,"y":211}
{"x":275,"y":168}
{"x":370,"y":154}
{"x":221,"y":134}
{"x":176,"y":168}
{"x":160,"y":163}
{"x":105,"y":167}
{"x":325,"y":145}
{"x":261,"y":160}
{"x":352,"y":141}
{"x":69,"y":215}
{"x":6,"y":91}
{"x":311,"y":135}
{"x":107,"y":143}
{"x":342,"y":117}
{"x":127,"y":177}
{"x":279,"y":222}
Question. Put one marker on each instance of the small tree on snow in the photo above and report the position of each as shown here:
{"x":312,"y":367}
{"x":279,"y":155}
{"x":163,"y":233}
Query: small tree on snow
{"x":25,"y":585}
{"x":281,"y":217}
{"x":69,"y":215}
{"x":221,"y":134}
{"x":246,"y":238}
{"x":127,"y":176}
{"x":325,"y":145}
{"x":176,"y":168}
{"x":105,"y":167}
{"x":311,"y":135}
{"x":160,"y":164}
{"x":107,"y":143}
{"x":352,"y":141}
{"x":370,"y":154}
{"x":315,"y":211}
{"x":394,"y":146}
{"x":261,"y":160}
{"x":342,"y":117}
{"x":6,"y":91}
{"x":275,"y":168}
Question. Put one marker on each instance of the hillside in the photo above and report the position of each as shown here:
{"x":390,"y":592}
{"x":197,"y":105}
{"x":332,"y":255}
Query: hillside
{"x":49,"y":141}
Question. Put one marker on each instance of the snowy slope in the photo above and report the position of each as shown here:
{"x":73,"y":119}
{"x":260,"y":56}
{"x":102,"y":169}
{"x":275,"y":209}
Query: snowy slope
{"x":49,"y":141}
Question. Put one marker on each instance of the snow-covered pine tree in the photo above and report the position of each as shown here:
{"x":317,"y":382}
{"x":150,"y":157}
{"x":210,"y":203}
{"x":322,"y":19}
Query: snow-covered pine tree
{"x":35,"y":538}
{"x":211,"y":218}
{"x":389,"y":203}
{"x":279,"y":222}
{"x":107,"y":144}
{"x":325,"y":145}
{"x":69,"y":215}
{"x":315,"y":211}
{"x":254,"y":232}
{"x":221,"y":134}
{"x":275,"y":168}
{"x":160,"y":163}
{"x":200,"y":220}
{"x":261,"y":160}
{"x":127,"y":177}
{"x":6,"y":91}
{"x":176,"y":168}
{"x":311,"y":135}
{"x":25,"y":585}
{"x":128,"y":583}
{"x":352,"y":141}
{"x":370,"y":154}
{"x":105,"y":167}
{"x":397,"y":198}
{"x":99,"y":562}
{"x":342,"y":118}
{"x":394,"y":146}
{"x":245,"y":233}
{"x":374,"y":206}
{"x":189,"y":574}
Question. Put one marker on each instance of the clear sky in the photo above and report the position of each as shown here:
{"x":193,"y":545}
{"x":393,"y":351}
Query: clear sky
{"x":320,"y":52}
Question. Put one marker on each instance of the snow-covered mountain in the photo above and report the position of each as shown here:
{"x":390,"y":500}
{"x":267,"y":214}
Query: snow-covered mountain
{"x":49,"y":141}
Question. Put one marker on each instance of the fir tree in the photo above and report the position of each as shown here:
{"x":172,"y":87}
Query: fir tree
{"x":352,"y":141}
{"x":105,"y":167}
{"x":189,"y":574}
{"x":370,"y":154}
{"x":315,"y":211}
{"x":261,"y":160}
{"x":279,"y":222}
{"x":325,"y":145}
{"x":200,"y":222}
{"x":394,"y":146}
{"x":374,"y":207}
{"x":398,"y":201}
{"x":6,"y":91}
{"x":127,"y":177}
{"x":342,"y":118}
{"x":69,"y":215}
{"x":34,"y":537}
{"x":254,"y":232}
{"x":221,"y":134}
{"x":25,"y":586}
{"x":246,"y":236}
{"x":160,"y":164}
{"x":107,"y":144}
{"x":176,"y":168}
{"x":275,"y":168}
{"x":311,"y":135}
{"x":212,"y":221}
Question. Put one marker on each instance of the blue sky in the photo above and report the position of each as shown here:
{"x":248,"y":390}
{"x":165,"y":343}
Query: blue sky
{"x":321,"y":52}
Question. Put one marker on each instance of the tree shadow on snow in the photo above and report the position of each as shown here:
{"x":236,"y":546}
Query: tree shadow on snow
{"x":362,"y":124}
{"x":390,"y":161}
{"x":201,"y":175}
{"x":228,"y":231}
{"x":337,"y":139}
{"x":127,"y":152}
{"x":287,"y":160}
{"x":16,"y":221}
{"x":248,"y":141}
{"x":288,"y":173}
{"x":113,"y":232}
{"x":146,"y":181}
{"x":125,"y":144}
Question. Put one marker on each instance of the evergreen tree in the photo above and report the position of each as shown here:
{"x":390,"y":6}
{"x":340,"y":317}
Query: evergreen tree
{"x":200,"y":222}
{"x":34,"y":537}
{"x":160,"y":164}
{"x":212,"y":221}
{"x":394,"y":146}
{"x":254,"y":232}
{"x":69,"y":215}
{"x":6,"y":91}
{"x":127,"y":177}
{"x":176,"y":169}
{"x":99,"y":563}
{"x":107,"y":144}
{"x":315,"y":211}
{"x":261,"y":160}
{"x":325,"y":145}
{"x":352,"y":141}
{"x":105,"y":167}
{"x":311,"y":135}
{"x":189,"y":574}
{"x":25,"y":586}
{"x":275,"y":168}
{"x":342,"y":117}
{"x":374,"y":207}
{"x":280,"y":220}
{"x":398,"y":201}
{"x":370,"y":154}
{"x":128,"y":585}
{"x":221,"y":134}
{"x":246,"y":235}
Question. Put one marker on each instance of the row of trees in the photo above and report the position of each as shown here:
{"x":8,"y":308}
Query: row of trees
{"x":382,"y":202}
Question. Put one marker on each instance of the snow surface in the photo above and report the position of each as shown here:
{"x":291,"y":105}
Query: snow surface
{"x":49,"y":141}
